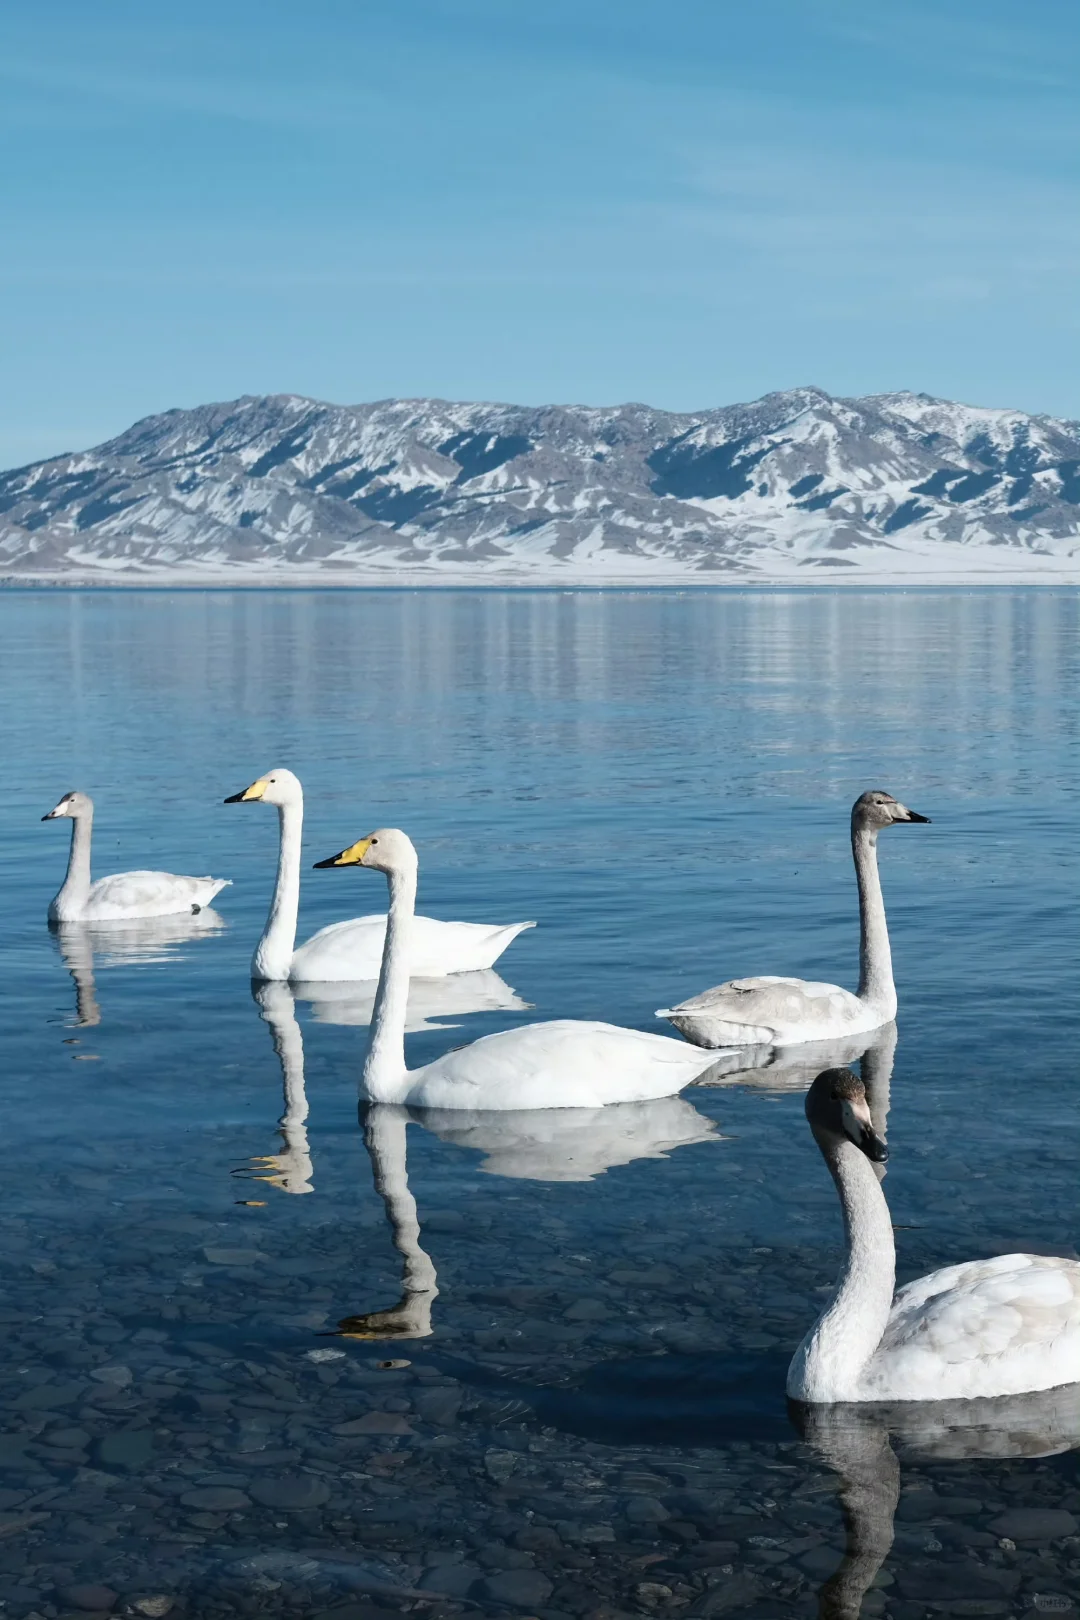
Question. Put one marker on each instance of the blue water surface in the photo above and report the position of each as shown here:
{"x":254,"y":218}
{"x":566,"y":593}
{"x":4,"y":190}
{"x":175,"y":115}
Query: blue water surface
{"x":662,"y":780}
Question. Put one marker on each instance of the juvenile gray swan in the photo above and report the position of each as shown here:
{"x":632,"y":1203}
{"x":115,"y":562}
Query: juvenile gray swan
{"x":127,"y":894}
{"x":771,"y":1011}
{"x":1001,"y":1326}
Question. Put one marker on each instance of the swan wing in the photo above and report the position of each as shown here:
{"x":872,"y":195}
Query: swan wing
{"x":768,"y":1011}
{"x":147,"y":894}
{"x":353,"y":949}
{"x":567,"y":1063}
{"x":989,"y":1327}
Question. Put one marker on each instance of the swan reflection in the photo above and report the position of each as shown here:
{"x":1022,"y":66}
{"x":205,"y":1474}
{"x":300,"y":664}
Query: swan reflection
{"x":544,"y":1144}
{"x":291,"y":1169}
{"x":351,"y":1002}
{"x":85,"y":947}
{"x":856,"y":1441}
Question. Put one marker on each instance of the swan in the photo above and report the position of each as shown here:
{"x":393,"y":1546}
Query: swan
{"x":771,"y":1011}
{"x":351,"y":949}
{"x":1003,"y":1326}
{"x":564,"y":1064}
{"x":127,"y":894}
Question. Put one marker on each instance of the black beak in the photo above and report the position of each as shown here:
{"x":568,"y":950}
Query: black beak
{"x":331,"y":860}
{"x":913,"y":815}
{"x":874,"y":1147}
{"x":48,"y":815}
{"x":238,"y":798}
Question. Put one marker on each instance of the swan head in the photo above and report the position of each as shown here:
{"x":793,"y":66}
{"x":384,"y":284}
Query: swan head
{"x":72,"y":804}
{"x":278,"y":786}
{"x":876,"y":809}
{"x":387,"y":849}
{"x":838,"y":1111}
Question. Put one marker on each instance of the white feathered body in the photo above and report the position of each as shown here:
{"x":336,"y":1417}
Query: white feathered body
{"x":567,"y":1063}
{"x":774,"y":1011}
{"x":129,"y":895}
{"x":353,"y":949}
{"x":1002,"y":1326}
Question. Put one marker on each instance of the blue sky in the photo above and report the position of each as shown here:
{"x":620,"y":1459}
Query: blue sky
{"x":688,"y":202}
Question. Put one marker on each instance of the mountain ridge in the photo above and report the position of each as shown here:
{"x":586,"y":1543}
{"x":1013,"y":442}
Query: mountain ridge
{"x":796,"y":484}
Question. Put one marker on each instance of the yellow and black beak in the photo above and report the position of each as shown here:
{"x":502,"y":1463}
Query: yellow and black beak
{"x":353,"y":856}
{"x":255,"y":791}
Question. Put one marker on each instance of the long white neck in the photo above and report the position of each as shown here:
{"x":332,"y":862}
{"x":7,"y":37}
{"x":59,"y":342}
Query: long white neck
{"x":75,"y":889}
{"x":385,"y":1078}
{"x":875,"y":958}
{"x":274,"y":952}
{"x":831,"y":1359}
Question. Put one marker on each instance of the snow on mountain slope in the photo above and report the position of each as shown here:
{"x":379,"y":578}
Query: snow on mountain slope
{"x":792,"y":485}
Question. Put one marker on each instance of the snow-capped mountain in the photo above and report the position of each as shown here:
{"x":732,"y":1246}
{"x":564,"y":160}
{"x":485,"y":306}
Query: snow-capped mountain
{"x":794,"y":485}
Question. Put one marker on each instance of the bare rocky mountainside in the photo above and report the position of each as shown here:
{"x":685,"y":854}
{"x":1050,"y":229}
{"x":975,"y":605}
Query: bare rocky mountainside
{"x":796,"y":485}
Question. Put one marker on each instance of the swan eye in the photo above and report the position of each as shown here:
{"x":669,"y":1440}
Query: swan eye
{"x":374,"y":841}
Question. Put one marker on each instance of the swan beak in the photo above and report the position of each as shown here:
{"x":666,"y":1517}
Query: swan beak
{"x":913,"y":815}
{"x":874,"y":1147}
{"x":255,"y":791}
{"x":353,"y":856}
{"x":50,"y":815}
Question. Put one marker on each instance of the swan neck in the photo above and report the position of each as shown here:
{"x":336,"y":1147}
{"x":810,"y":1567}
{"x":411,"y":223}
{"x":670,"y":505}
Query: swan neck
{"x":384,"y":1137}
{"x":830,"y":1361}
{"x":385,"y":1078}
{"x":75,"y":889}
{"x":875,"y":957}
{"x":274,"y":952}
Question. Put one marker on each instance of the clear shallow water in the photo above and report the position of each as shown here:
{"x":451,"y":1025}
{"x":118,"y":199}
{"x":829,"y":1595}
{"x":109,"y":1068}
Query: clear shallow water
{"x":595,"y":1425}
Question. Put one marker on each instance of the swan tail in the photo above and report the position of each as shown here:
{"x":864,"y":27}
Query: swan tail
{"x":705,"y":1029}
{"x":500,"y":939}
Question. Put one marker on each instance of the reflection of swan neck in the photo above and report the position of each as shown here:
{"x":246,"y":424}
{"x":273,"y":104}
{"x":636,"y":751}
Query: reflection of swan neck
{"x":274,"y":952}
{"x":384,"y":1136}
{"x":293,"y":1168}
{"x":828,"y":1364}
{"x":78,"y":954}
{"x":384,"y":1077}
{"x":869,"y":1491}
{"x":875,"y":958}
{"x":75,"y":888}
{"x":876,"y":1069}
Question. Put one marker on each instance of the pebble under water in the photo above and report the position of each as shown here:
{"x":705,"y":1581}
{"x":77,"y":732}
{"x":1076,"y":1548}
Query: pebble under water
{"x":266,"y":1352}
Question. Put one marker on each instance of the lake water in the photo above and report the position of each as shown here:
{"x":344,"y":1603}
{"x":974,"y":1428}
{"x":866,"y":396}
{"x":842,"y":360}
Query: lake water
{"x":595,"y":1424}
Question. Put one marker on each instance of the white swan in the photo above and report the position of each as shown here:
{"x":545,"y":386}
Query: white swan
{"x":351,"y":949}
{"x":128,"y":894}
{"x":564,"y":1064}
{"x":991,"y":1327}
{"x":771,"y":1011}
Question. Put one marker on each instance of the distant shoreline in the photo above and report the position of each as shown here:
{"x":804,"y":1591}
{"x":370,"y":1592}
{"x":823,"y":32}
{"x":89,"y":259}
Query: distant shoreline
{"x":544,"y":580}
